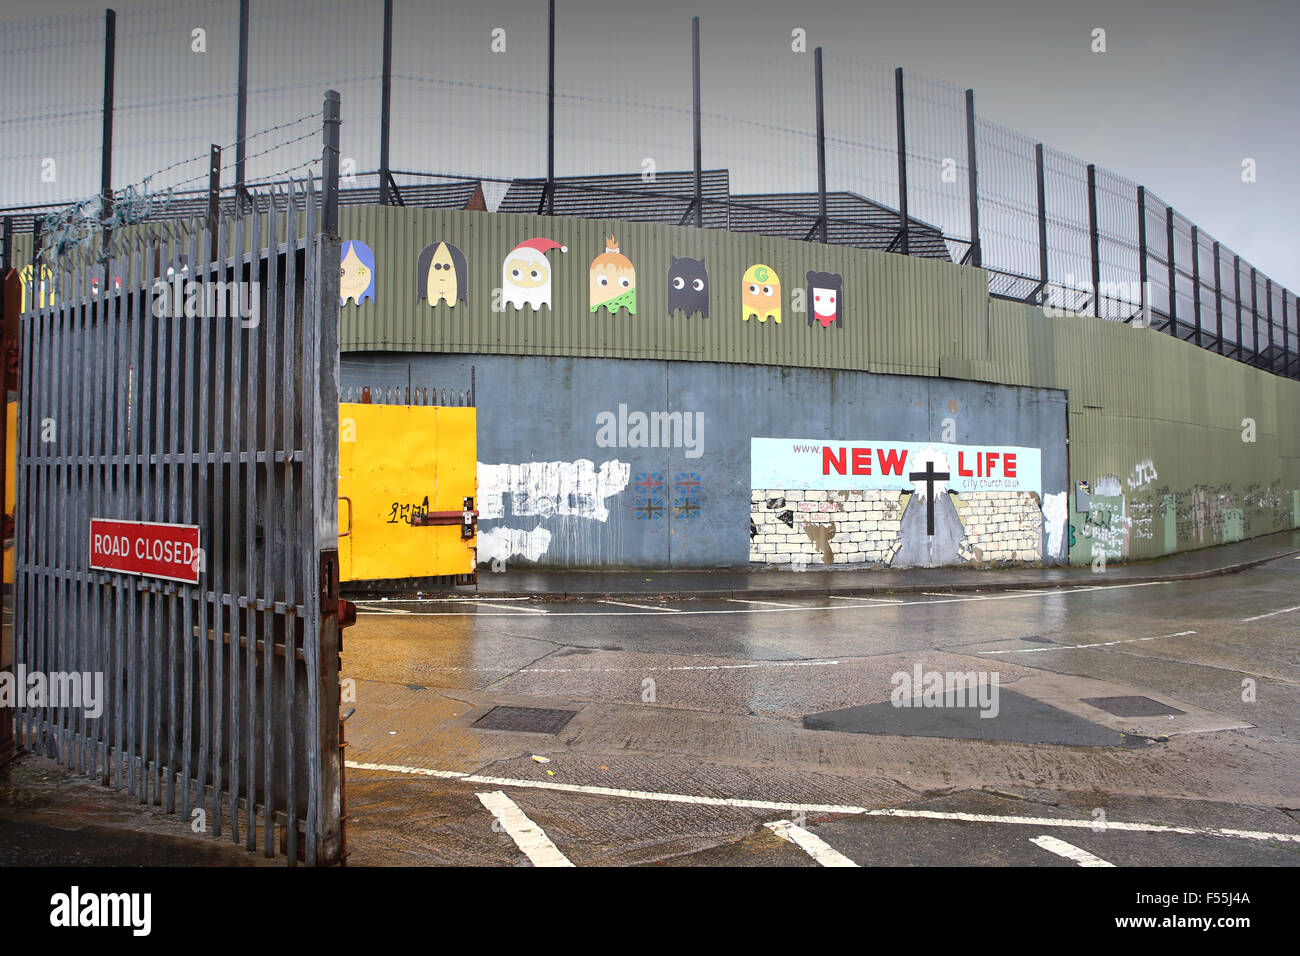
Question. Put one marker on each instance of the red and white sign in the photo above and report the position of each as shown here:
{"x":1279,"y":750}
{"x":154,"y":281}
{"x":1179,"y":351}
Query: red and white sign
{"x":792,"y":463}
{"x":148,"y":548}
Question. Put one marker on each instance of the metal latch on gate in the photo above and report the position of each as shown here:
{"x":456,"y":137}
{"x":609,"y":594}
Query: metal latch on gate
{"x":466,"y":518}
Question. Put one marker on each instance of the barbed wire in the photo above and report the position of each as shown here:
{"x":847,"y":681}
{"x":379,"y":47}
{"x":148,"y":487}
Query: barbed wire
{"x":75,"y":225}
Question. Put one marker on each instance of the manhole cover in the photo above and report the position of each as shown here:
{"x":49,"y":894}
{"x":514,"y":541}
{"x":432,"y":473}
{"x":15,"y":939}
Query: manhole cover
{"x":1133,"y":706}
{"x":528,"y":720}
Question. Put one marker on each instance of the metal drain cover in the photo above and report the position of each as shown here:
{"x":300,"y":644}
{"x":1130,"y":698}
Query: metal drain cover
{"x":1133,"y":706}
{"x":528,"y":720}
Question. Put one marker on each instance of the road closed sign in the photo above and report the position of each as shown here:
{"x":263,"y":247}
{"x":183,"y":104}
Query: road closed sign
{"x":150,"y":549}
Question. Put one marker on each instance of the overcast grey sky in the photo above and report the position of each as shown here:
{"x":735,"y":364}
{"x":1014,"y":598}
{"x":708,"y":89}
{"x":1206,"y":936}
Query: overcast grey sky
{"x":1185,"y":91}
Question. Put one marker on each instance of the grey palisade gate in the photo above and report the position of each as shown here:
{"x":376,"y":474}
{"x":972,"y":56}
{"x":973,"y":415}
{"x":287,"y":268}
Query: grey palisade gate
{"x":138,"y":404}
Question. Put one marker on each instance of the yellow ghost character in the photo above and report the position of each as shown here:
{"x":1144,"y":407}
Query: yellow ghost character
{"x":760,"y":294}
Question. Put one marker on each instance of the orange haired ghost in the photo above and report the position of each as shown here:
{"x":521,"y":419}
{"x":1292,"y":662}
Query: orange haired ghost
{"x":613,"y":280}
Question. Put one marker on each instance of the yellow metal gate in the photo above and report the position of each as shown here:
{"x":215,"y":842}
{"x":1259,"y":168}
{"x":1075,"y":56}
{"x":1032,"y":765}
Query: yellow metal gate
{"x":407,"y":491}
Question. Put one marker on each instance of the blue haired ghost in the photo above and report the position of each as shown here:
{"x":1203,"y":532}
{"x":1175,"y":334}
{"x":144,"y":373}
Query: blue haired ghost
{"x":356,"y":273}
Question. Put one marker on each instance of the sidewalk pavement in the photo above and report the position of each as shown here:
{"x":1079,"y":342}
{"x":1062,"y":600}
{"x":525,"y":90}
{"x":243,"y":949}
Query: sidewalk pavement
{"x":824,"y":582}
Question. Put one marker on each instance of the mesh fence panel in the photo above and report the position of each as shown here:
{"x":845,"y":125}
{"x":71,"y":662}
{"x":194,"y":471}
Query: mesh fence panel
{"x":52,"y":74}
{"x":1008,"y":204}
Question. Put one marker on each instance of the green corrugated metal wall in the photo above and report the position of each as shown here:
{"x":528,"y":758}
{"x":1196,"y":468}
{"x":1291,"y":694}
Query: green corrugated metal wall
{"x":1134,"y":394}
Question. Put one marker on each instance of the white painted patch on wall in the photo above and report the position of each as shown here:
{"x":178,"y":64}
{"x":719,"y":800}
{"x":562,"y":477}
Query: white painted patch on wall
{"x":1055,"y":511}
{"x":546,"y":488}
{"x":1108,"y":486}
{"x":501,"y":544}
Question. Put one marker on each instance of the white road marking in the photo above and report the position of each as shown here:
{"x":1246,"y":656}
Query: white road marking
{"x":1075,"y":647}
{"x":770,"y":603}
{"x":848,"y":810}
{"x":528,"y":836}
{"x":839,"y":597}
{"x":1260,"y":617}
{"x":506,"y":607}
{"x":1069,"y":851}
{"x":430,"y":600}
{"x":813,"y":845}
{"x":395,"y":768}
{"x":838,"y":607}
{"x":643,"y":607}
{"x":675,"y":667}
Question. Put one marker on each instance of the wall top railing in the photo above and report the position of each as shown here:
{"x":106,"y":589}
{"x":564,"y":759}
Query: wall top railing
{"x":490,"y":106}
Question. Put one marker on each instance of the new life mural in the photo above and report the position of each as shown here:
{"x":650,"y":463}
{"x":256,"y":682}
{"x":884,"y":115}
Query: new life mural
{"x":897,"y":504}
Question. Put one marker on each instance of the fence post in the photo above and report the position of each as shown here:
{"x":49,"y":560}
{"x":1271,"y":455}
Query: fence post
{"x":903,"y":218}
{"x":1173,"y":271}
{"x":1268,"y":294}
{"x":548,"y":194}
{"x":1236,"y":295}
{"x":214,"y":202}
{"x":1286,"y":339}
{"x":695,"y":121}
{"x":1042,"y":222}
{"x":1254,"y":315}
{"x":1196,"y":282}
{"x":1142,"y":257}
{"x":106,"y":144}
{"x":241,"y":105}
{"x":821,"y":150}
{"x":1218,"y":297}
{"x":1094,"y":241}
{"x":976,"y":256}
{"x":329,"y":163}
{"x":386,"y":105}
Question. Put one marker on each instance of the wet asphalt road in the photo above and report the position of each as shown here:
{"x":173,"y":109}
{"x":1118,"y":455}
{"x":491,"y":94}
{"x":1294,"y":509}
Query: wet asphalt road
{"x":688,"y":733}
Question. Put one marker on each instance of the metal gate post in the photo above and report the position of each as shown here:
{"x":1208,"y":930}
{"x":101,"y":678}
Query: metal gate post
{"x":10,"y":297}
{"x":321,"y":447}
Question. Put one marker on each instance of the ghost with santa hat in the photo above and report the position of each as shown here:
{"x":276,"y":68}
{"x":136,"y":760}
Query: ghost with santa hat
{"x":526,"y":274}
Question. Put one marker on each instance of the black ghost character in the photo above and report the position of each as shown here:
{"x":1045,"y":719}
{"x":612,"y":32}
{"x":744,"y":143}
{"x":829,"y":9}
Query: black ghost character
{"x":688,"y":286}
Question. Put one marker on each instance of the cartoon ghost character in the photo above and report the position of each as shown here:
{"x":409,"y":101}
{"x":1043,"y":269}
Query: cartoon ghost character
{"x":441,"y":275}
{"x":613,"y":280}
{"x":760,"y":294}
{"x":356,"y":273}
{"x":688,"y":286}
{"x":526,"y":275}
{"x":826,"y":295}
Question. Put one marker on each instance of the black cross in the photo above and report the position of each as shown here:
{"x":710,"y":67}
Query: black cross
{"x":929,"y":476}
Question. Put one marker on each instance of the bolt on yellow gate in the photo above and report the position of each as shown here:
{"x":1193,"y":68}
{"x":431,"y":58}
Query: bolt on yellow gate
{"x":402,"y":468}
